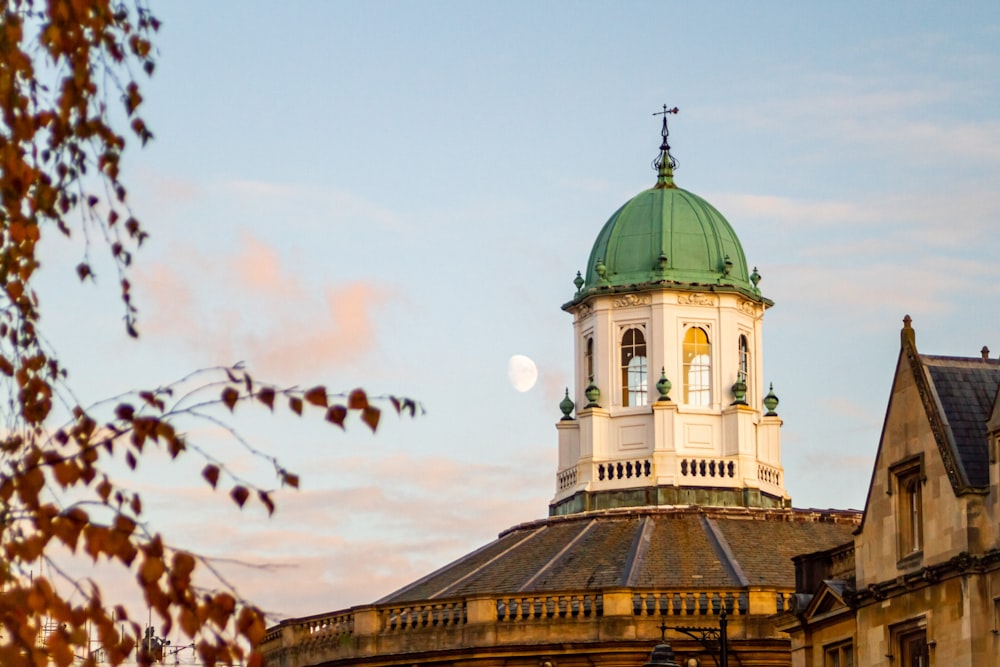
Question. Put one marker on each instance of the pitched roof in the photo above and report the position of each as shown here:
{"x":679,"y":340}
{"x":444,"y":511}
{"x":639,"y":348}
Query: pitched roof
{"x":651,"y":547}
{"x":964,"y":391}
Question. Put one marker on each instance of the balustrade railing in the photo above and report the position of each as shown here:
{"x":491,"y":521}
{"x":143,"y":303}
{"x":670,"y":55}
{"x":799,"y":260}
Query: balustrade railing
{"x":539,"y":607}
{"x":690,"y":603}
{"x":719,"y":469}
{"x":566,"y":478}
{"x":768,"y":474}
{"x":428,"y":615}
{"x":624,"y":469}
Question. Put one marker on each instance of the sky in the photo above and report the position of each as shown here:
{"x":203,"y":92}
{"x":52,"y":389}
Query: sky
{"x":397,"y":195}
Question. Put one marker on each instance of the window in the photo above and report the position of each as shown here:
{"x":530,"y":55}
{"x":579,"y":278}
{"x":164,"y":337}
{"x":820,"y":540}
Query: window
{"x":633,"y":368}
{"x":908,"y":480}
{"x":588,"y":362}
{"x":697,"y":367}
{"x":839,"y":655}
{"x":912,"y":647}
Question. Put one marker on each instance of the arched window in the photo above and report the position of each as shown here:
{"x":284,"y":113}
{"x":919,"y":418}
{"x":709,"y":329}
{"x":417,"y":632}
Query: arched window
{"x":697,"y":367}
{"x":744,"y":372}
{"x":633,"y":368}
{"x":588,"y":361}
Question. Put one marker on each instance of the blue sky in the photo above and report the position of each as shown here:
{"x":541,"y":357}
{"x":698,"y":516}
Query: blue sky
{"x":397,"y":195}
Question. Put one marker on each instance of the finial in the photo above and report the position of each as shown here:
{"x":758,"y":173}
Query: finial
{"x":727,"y":265}
{"x":566,"y":405}
{"x":578,"y":281}
{"x":739,"y":391}
{"x":907,"y":335}
{"x":661,"y":262}
{"x":602,"y":271}
{"x":665,"y":163}
{"x":593,"y":394}
{"x":663,"y":386}
{"x":771,"y":402}
{"x":755,"y":277}
{"x":985,"y":352}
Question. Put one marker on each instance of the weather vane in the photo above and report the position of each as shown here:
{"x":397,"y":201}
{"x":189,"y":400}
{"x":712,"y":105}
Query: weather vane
{"x":658,"y":163}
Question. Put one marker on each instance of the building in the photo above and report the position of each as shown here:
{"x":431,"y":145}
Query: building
{"x":670,"y":508}
{"x":919,"y":584}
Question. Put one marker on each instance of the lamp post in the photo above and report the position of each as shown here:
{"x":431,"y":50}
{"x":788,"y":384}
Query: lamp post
{"x":714,"y":640}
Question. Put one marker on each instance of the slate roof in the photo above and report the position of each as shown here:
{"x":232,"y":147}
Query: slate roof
{"x":652,"y":547}
{"x":965,"y":390}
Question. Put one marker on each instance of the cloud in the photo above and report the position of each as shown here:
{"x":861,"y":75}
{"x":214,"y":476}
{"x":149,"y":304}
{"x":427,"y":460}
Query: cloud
{"x":377,"y":524}
{"x":249,"y":306}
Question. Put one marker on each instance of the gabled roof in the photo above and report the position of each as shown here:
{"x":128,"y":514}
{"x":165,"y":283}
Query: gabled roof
{"x":961,"y":391}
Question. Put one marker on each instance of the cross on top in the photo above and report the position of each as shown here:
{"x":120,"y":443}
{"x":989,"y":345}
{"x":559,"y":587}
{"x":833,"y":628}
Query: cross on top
{"x":665,"y":111}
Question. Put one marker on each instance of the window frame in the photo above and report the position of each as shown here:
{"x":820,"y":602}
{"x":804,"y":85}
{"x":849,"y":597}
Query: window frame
{"x":702,"y":369}
{"x":910,"y":645}
{"x":588,"y":359}
{"x":744,"y":364}
{"x":907,"y":479}
{"x":637,"y":395}
{"x":834,"y":654}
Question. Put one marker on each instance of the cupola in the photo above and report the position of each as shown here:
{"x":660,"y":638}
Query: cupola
{"x":669,"y":389}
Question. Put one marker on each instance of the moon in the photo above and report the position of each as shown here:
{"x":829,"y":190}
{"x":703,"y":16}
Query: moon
{"x":522,"y":372}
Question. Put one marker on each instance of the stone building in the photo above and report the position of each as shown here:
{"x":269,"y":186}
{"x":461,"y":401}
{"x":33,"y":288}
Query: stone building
{"x":670,"y":508}
{"x":919,"y":584}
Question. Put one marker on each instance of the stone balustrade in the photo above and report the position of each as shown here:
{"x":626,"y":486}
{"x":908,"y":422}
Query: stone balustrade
{"x":497,"y":621}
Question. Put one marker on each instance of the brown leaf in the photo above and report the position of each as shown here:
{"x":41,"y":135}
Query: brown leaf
{"x":317,"y":396}
{"x":370,"y":415}
{"x":358,"y":400}
{"x":239,"y":494}
{"x":151,"y":570}
{"x":266,"y":396}
{"x":265,"y":498}
{"x":295,"y":404}
{"x":229,"y":397}
{"x":336,"y":415}
{"x":211,"y":474}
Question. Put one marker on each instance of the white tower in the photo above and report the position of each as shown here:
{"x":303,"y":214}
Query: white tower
{"x":671,"y":407}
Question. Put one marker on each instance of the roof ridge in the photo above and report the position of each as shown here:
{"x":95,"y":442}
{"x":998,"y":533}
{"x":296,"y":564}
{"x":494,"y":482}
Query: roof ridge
{"x":555,"y":559}
{"x":724,"y":551}
{"x":533,"y":534}
{"x":637,"y":554}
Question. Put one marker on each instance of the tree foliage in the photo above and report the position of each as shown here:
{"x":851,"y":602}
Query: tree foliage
{"x":71,"y":101}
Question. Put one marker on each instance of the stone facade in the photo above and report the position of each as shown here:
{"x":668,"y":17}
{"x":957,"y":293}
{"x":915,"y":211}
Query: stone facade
{"x":925,"y":588}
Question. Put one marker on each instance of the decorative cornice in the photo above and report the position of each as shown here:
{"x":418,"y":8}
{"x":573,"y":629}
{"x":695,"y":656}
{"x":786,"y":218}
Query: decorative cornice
{"x":632,"y":300}
{"x":696,"y":299}
{"x":962,"y":564}
{"x":583,"y":310}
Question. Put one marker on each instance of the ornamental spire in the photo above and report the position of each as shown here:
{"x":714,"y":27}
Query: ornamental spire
{"x":665,"y":163}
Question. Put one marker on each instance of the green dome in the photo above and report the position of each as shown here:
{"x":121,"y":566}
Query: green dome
{"x":666,"y":234}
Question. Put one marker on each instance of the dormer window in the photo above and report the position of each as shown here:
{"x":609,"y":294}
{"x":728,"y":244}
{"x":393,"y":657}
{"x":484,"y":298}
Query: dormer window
{"x":633,"y":368}
{"x":697,"y":353}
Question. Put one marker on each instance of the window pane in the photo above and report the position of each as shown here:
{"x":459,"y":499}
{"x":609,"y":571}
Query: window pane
{"x":633,"y":368}
{"x":697,"y":367}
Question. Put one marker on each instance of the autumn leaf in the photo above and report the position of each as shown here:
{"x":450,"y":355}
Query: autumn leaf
{"x":211,"y":474}
{"x":239,"y":494}
{"x":336,"y":415}
{"x":358,"y":400}
{"x":229,"y":397}
{"x":266,"y":396}
{"x":317,"y":396}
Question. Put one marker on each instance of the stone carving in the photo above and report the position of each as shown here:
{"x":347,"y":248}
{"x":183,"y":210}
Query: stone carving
{"x":629,"y":300}
{"x":583,"y":310}
{"x":696,"y":299}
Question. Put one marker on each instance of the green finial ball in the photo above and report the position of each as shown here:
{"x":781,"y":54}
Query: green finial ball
{"x":567,"y":405}
{"x":740,"y":392}
{"x":771,"y":402}
{"x":578,"y":281}
{"x":663,"y":386}
{"x":755,"y":277}
{"x":602,"y":270}
{"x":593,"y":394}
